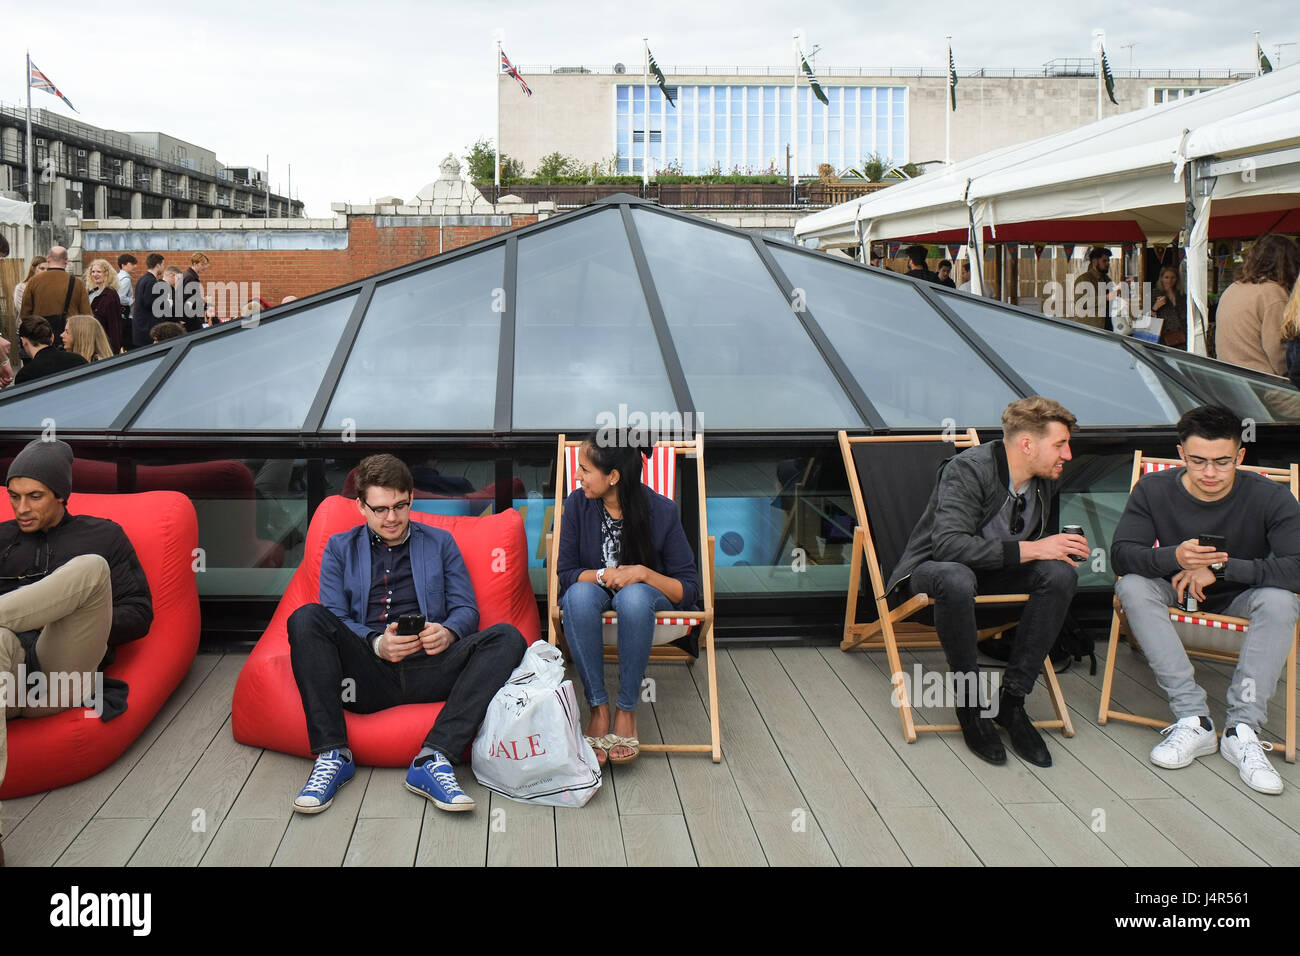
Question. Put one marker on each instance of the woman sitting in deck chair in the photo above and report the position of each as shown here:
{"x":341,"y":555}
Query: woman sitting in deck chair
{"x":622,"y":547}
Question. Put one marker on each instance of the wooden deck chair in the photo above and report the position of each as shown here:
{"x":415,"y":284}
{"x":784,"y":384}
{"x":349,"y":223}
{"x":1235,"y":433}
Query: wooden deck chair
{"x":659,"y":473}
{"x":1213,"y":637}
{"x":891,"y":478}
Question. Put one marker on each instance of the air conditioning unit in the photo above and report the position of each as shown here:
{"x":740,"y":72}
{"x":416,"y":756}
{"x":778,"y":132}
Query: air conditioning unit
{"x":119,"y":180}
{"x":39,"y":141}
{"x":81,"y":152}
{"x":117,"y":162}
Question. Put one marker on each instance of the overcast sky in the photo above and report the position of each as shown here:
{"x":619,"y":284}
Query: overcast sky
{"x":365,"y":98}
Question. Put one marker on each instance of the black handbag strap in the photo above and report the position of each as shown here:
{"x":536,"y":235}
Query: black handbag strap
{"x":67,"y":299}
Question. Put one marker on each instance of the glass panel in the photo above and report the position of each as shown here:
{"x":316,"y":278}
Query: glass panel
{"x":447,"y":318}
{"x":1248,"y":397}
{"x":748,"y":360}
{"x":1092,"y":375}
{"x":911,"y":363}
{"x":92,"y":401}
{"x":263,"y":376}
{"x":252,"y":516}
{"x":584,"y":340}
{"x":791,"y":543}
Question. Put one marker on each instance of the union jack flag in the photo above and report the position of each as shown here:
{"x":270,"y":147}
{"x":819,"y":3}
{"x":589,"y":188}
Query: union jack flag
{"x":509,"y":69}
{"x":39,"y":81}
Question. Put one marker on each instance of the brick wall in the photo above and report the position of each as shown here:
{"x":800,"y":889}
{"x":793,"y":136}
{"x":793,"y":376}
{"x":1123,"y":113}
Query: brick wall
{"x":302,"y":272}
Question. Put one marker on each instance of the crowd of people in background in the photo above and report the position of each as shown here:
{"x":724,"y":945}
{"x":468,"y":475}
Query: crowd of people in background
{"x":65,"y":321}
{"x":1257,"y":321}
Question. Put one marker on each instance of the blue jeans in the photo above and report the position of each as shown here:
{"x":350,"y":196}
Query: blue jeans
{"x":583,"y":604}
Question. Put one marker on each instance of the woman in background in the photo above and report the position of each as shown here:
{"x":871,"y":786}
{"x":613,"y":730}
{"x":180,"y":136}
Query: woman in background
{"x":1291,"y":335}
{"x":85,"y":336}
{"x":105,"y":304}
{"x":1171,"y":306}
{"x":38,"y":265}
{"x":1249,"y":321}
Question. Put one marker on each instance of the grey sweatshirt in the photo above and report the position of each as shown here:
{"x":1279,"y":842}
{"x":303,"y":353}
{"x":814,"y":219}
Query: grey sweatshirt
{"x":1259,"y":519}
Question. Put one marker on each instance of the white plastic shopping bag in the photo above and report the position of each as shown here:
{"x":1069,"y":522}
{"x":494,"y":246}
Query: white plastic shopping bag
{"x":530,"y":747}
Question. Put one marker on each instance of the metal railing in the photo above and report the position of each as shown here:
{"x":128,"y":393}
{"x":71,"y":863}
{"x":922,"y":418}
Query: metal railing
{"x":47,"y":125}
{"x":1050,"y":69}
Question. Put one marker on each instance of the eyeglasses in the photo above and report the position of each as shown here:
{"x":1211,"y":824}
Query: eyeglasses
{"x":401,"y":508}
{"x":1017,"y":514}
{"x":1203,"y":464}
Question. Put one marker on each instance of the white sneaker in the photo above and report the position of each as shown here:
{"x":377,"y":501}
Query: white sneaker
{"x":1183,"y":743}
{"x":1245,"y":752}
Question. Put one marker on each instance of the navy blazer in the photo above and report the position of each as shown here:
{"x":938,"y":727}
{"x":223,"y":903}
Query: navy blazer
{"x":580,"y":543}
{"x":442,"y":583}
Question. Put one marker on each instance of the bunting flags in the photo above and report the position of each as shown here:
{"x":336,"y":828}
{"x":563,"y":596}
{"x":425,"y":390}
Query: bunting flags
{"x":1107,"y":77}
{"x":659,"y":78}
{"x":39,"y":81}
{"x":812,"y":81}
{"x":952,"y":78}
{"x":508,"y":69}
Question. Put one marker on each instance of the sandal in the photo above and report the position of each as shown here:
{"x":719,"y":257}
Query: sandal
{"x":597,"y":744}
{"x":610,"y":741}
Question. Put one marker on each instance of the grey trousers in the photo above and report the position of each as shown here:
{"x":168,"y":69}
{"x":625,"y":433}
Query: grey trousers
{"x":1272,"y":613}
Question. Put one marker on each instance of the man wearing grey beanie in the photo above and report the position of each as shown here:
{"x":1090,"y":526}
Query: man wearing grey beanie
{"x":71,"y":590}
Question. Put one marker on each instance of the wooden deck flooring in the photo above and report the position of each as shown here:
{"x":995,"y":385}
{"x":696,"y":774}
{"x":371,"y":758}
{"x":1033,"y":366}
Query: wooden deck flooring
{"x":815,"y":772}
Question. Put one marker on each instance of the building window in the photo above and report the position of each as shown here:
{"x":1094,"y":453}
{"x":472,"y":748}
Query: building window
{"x":1170,"y":94}
{"x":747,"y":128}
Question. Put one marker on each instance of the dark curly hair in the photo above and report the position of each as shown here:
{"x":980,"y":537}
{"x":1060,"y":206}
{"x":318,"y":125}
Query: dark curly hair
{"x":1272,"y":258}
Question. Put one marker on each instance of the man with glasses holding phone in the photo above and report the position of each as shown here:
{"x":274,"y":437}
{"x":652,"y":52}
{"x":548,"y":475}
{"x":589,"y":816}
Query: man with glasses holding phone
{"x":396,"y":624}
{"x":1231,"y":540}
{"x":985,"y":531}
{"x":71,"y":590}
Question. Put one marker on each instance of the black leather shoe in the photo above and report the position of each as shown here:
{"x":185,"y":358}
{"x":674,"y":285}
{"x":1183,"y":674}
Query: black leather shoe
{"x":1026,"y":741}
{"x":981,"y":736}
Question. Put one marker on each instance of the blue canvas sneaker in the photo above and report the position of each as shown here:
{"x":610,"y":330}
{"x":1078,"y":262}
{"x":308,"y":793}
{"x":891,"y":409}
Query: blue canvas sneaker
{"x":330,"y":773}
{"x":432,"y":777}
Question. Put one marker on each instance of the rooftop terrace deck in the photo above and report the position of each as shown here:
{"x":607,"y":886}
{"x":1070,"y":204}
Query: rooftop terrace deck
{"x":815,"y":772}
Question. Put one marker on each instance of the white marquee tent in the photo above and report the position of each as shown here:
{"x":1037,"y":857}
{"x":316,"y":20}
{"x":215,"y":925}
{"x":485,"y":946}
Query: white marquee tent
{"x":1150,"y":172}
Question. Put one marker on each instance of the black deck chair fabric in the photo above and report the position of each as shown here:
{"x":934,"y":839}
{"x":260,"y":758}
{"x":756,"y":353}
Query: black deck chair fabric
{"x":896,"y":481}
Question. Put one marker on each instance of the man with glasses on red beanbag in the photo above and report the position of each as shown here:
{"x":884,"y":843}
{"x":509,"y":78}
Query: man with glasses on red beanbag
{"x":349,"y":651}
{"x":1251,"y":570}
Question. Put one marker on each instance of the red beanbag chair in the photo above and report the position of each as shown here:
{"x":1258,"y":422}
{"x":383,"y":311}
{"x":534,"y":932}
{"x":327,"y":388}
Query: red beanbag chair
{"x":267,"y":711}
{"x":49,"y":752}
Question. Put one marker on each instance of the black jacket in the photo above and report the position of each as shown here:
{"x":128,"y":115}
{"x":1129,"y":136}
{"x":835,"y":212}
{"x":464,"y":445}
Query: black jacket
{"x":970,"y":490}
{"x":191,"y":295}
{"x":48,"y":361}
{"x":75,"y":535}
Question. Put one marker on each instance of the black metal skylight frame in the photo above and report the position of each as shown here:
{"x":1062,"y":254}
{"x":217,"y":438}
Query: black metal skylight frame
{"x":313,"y":432}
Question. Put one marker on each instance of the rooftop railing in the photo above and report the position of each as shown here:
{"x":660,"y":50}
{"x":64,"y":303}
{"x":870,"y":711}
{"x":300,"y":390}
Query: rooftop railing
{"x":1054,"y":68}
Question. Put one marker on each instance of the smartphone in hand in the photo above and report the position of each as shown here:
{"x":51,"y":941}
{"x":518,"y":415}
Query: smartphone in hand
{"x":1216,"y":541}
{"x":408,"y":624}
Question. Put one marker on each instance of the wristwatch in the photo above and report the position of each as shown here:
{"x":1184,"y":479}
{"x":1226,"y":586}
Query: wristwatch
{"x":1219,"y":569}
{"x":600,"y":576}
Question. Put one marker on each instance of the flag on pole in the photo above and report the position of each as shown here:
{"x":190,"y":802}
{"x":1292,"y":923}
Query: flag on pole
{"x":659,"y":78}
{"x":812,"y":81}
{"x":508,"y":68}
{"x":1263,"y":66}
{"x":38,"y":80}
{"x":1106,"y":75}
{"x":952,"y":78}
